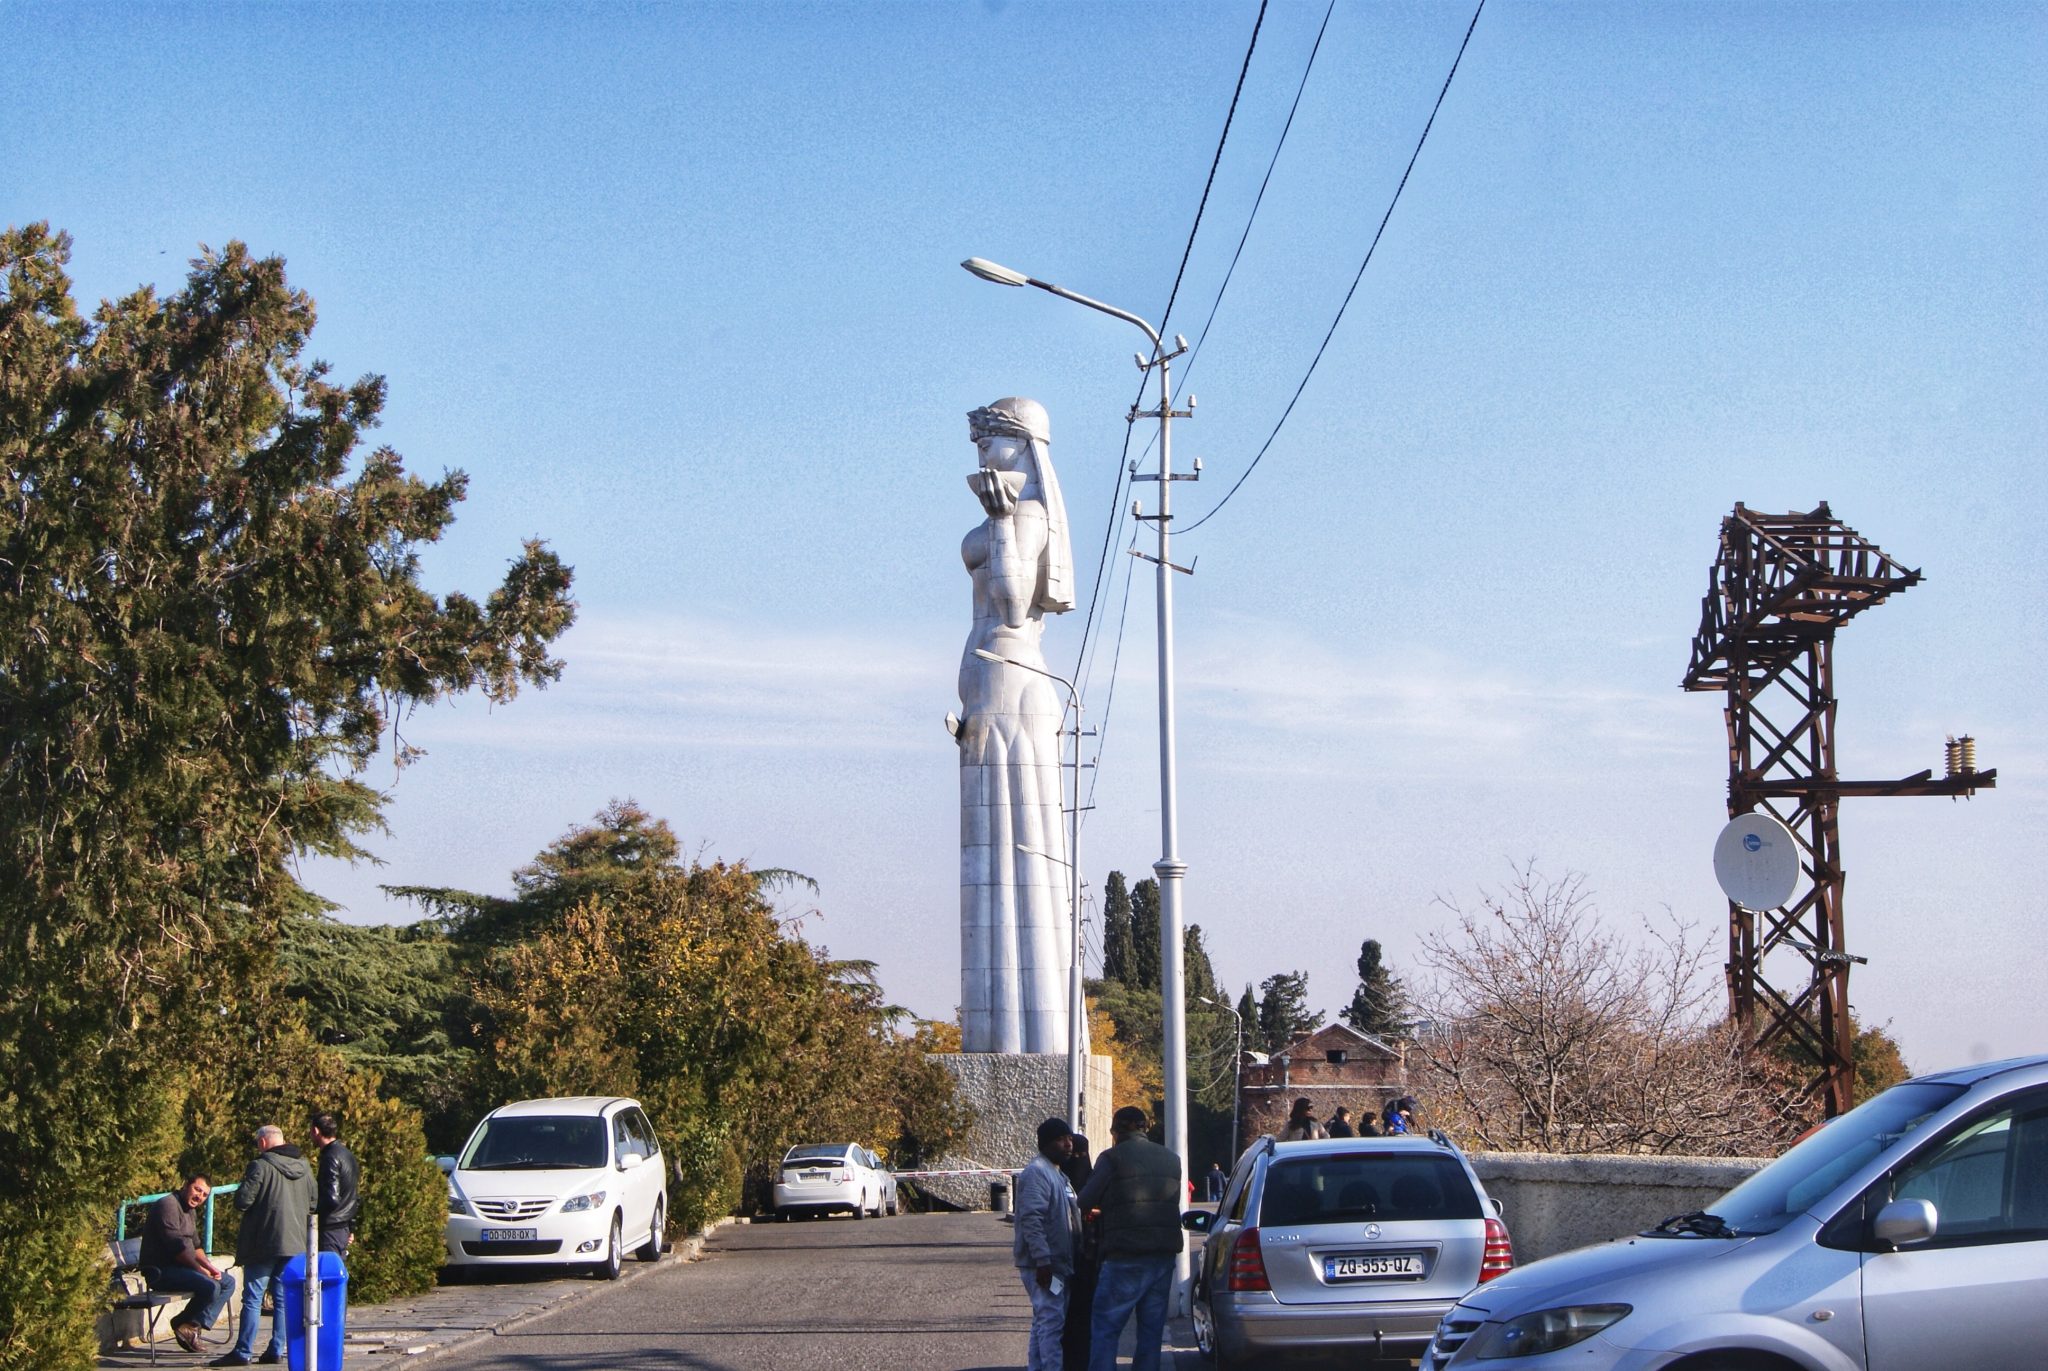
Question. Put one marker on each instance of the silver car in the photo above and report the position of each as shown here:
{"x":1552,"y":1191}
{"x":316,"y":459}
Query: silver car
{"x":1342,"y":1245}
{"x":1910,"y":1234}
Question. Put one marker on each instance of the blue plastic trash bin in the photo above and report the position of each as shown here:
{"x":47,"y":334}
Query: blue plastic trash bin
{"x":333,"y":1311}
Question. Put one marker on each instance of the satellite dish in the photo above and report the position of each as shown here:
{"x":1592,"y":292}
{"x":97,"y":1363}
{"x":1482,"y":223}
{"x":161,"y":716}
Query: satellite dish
{"x":1756,"y":860}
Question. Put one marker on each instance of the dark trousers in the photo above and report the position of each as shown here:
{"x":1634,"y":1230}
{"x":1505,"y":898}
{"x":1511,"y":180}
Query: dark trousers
{"x":209,"y":1296}
{"x":1080,"y":1315}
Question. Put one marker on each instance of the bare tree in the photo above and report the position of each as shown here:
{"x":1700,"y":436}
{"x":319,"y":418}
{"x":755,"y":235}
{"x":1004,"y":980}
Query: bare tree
{"x":1551,"y":1034}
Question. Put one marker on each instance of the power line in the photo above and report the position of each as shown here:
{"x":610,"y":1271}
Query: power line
{"x":1123,"y":457}
{"x":1214,"y":162}
{"x":1315,"y":361}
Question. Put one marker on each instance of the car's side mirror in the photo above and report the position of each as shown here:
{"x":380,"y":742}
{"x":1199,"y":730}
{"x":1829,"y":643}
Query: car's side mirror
{"x":629,"y":1160}
{"x":1198,"y":1221}
{"x":1903,"y":1222}
{"x":447,"y":1165}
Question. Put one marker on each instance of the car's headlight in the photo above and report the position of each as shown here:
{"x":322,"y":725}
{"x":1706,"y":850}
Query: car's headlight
{"x":581,"y":1202}
{"x":1546,"y":1330}
{"x":458,"y":1205}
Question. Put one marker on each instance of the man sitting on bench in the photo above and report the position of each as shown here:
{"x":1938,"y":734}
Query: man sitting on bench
{"x":170,"y":1248}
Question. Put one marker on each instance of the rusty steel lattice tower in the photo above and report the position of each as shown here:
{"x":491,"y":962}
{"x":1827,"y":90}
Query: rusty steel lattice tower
{"x":1781,"y":586}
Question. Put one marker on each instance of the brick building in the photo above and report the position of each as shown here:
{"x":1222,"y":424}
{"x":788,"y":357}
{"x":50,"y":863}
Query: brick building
{"x":1334,"y":1065}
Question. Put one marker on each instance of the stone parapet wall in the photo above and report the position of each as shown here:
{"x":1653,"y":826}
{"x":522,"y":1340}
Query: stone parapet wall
{"x":1011,"y":1093}
{"x":1555,"y":1203}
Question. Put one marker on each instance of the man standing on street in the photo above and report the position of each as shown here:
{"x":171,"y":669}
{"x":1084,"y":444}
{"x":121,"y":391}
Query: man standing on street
{"x":1137,"y":1186}
{"x":339,"y":1176}
{"x":275,"y":1198}
{"x":1048,"y":1222}
{"x":170,"y":1246}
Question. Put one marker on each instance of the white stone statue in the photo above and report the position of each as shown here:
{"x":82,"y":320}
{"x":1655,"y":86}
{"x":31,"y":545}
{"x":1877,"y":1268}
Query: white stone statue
{"x":1015,"y":935}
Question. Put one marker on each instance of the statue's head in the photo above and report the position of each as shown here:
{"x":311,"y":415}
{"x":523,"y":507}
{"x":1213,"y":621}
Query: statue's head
{"x":1013,"y":416}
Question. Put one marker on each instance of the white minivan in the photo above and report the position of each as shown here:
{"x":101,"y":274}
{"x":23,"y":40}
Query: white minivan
{"x":566,"y":1181}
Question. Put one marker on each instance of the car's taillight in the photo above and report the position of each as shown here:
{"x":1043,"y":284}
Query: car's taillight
{"x":1247,"y":1263}
{"x":1500,"y":1253}
{"x":842,"y":1176}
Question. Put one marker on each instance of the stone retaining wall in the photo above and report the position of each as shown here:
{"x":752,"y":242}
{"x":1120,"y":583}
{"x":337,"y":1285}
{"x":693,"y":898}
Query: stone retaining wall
{"x":1556,"y":1203}
{"x":1011,"y":1094}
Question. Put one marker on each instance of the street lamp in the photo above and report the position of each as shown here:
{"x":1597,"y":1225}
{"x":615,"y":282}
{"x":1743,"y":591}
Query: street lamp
{"x":1169,"y":868}
{"x":1076,"y":1003}
{"x":1236,"y":1070}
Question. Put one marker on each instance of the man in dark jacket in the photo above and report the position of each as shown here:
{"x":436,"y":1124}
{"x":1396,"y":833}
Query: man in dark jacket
{"x":339,"y":1178}
{"x":170,"y":1251}
{"x":1137,"y":1185}
{"x":276,"y":1197}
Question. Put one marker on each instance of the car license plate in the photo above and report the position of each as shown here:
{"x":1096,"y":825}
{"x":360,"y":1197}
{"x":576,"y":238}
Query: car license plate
{"x":507,"y":1235}
{"x":1379,"y":1266}
{"x":814,"y":1175}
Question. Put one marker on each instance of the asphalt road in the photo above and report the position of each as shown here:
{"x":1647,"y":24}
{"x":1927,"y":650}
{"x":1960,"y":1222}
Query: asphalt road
{"x":932,"y":1292}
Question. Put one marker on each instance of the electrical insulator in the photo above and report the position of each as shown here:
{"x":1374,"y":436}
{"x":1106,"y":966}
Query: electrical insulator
{"x":1953,"y":752}
{"x":1968,"y":747}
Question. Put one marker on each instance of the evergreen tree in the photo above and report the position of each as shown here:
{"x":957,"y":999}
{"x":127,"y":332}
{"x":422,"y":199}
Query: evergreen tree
{"x":1380,"y":1005}
{"x":1116,"y":929}
{"x":1198,"y":978}
{"x":1284,"y":1014}
{"x":1145,"y":935}
{"x":213,"y":618}
{"x":1248,"y":1010}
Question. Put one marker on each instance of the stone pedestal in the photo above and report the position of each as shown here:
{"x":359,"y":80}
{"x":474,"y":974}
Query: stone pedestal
{"x":1011,"y":1093}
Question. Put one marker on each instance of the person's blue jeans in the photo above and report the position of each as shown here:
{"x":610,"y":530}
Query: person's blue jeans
{"x":258,"y":1274}
{"x":1126,"y":1284}
{"x":209,"y":1296}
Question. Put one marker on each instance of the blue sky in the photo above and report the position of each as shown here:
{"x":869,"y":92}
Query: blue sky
{"x":677,"y":286}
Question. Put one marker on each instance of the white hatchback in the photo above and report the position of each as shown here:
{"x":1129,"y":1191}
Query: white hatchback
{"x":567,"y":1181}
{"x":822,"y":1177}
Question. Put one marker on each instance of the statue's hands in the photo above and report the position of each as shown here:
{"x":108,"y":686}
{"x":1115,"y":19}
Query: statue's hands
{"x":995,"y":495}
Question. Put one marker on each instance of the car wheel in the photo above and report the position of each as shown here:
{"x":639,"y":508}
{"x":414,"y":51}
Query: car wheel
{"x":614,"y":1256}
{"x":1205,"y":1327}
{"x":651,"y":1250}
{"x":860,"y":1207}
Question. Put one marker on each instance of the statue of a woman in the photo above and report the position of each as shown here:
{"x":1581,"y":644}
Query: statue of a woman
{"x":1015,"y":938}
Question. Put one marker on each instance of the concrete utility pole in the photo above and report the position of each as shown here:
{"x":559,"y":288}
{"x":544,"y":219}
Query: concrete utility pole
{"x":1169,"y":868}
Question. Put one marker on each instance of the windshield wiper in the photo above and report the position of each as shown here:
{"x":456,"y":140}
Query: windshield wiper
{"x":1698,"y":1221}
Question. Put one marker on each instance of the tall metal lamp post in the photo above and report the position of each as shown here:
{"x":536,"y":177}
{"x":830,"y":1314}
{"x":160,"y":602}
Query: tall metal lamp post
{"x":1076,"y":1003}
{"x":1169,"y":868}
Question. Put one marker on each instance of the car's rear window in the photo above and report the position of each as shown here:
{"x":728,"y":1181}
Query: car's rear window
{"x":531,"y":1142}
{"x":834,"y":1152}
{"x":1342,"y":1187}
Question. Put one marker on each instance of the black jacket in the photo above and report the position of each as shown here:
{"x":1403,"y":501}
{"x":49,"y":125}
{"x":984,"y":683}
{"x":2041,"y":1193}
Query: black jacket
{"x":1137,"y":1185}
{"x":339,"y":1176}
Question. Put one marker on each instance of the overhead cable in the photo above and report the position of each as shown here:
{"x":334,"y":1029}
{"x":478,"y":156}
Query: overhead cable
{"x":1317,"y":359}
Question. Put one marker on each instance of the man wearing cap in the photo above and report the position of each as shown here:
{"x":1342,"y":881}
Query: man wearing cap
{"x":1137,"y":1186}
{"x":1047,"y":1221}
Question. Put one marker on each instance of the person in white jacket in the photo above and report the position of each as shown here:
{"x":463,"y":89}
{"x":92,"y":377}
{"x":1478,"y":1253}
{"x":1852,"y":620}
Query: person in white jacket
{"x":1048,"y":1226}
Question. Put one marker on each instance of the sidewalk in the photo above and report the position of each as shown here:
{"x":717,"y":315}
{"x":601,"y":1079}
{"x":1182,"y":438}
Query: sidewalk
{"x":423,"y":1327}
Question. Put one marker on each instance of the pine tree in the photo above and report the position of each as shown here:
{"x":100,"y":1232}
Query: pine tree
{"x":1379,"y":1006}
{"x":1248,"y":1010}
{"x":1116,"y":929}
{"x":1284,"y":1014}
{"x":1145,"y":935}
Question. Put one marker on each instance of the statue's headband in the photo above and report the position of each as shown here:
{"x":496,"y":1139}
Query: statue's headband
{"x":1009,"y":418}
